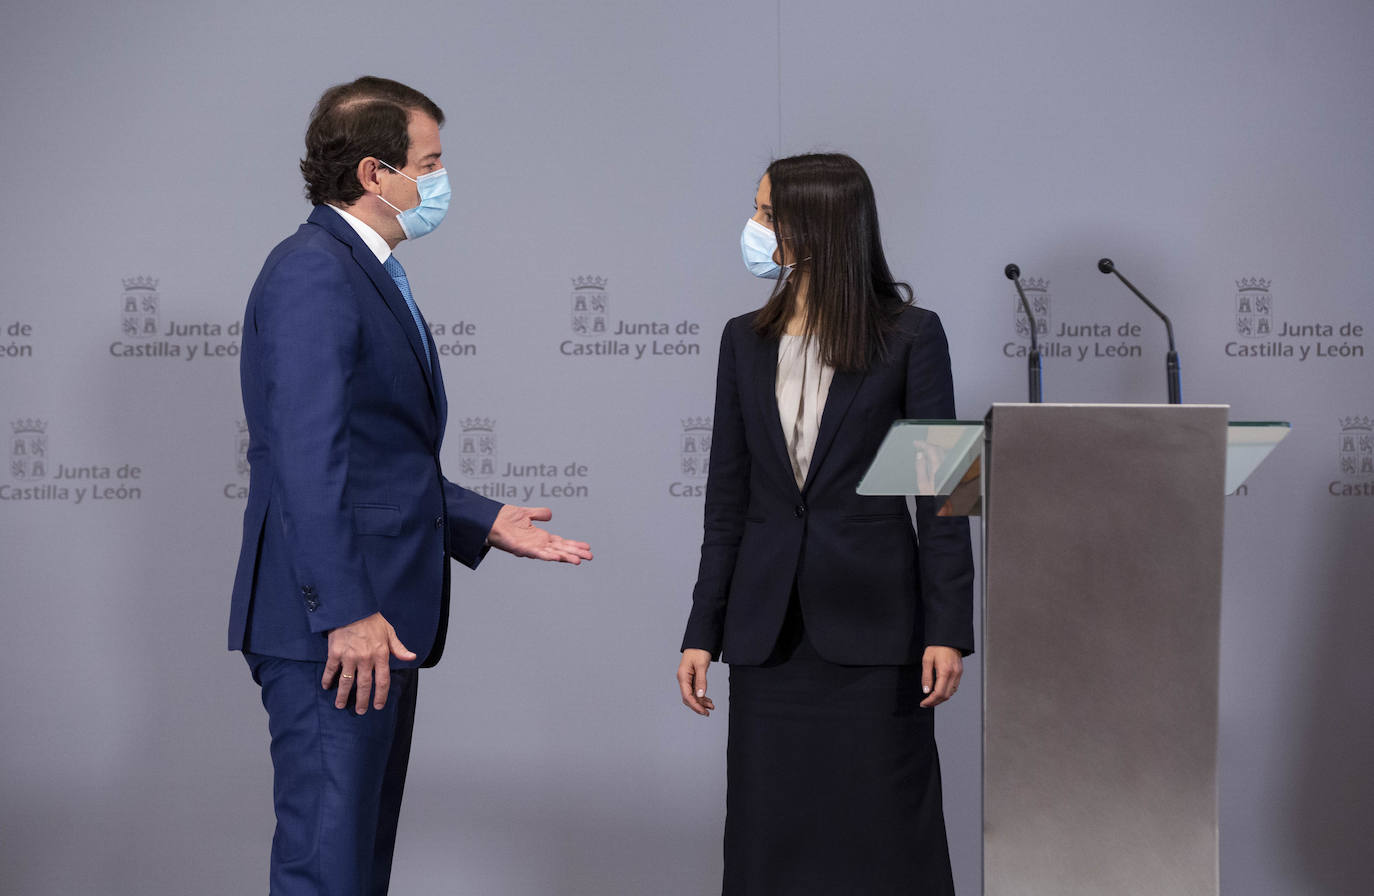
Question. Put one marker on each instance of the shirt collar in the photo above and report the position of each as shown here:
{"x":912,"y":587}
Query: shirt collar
{"x":372,"y":238}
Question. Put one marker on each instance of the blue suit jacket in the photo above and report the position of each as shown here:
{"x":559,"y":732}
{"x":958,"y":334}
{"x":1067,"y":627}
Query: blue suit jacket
{"x":873,"y":590}
{"x":348,"y":512}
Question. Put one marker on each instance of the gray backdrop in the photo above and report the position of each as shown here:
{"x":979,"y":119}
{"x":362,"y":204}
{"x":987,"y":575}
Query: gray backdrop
{"x":603,"y":156}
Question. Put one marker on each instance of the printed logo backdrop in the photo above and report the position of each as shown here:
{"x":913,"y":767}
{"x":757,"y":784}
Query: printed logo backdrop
{"x":695,"y":459}
{"x":599,"y":334}
{"x":150,"y":329}
{"x":18,"y":342}
{"x":535,"y":477}
{"x":29,"y":454}
{"x":38,"y":473}
{"x":1099,"y":339}
{"x":1263,"y":334}
{"x":1356,"y":458}
{"x":603,"y":158}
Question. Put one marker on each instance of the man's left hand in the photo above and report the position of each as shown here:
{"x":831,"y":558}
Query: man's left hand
{"x":515,"y":533}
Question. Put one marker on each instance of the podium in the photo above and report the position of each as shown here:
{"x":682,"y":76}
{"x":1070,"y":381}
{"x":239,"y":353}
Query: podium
{"x":1102,"y":551}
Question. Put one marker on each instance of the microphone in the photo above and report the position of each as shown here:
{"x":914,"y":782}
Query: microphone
{"x":1171,"y":363}
{"x":1033,"y":360}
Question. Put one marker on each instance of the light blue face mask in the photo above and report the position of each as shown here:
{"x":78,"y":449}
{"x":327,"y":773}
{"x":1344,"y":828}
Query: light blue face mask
{"x":758,"y":243}
{"x":434,"y":195}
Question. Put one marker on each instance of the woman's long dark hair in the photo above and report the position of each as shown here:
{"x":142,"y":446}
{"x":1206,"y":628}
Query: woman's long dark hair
{"x":824,"y":211}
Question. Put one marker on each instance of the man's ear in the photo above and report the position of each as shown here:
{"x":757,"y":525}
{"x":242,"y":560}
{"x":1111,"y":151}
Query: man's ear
{"x":368,"y":171}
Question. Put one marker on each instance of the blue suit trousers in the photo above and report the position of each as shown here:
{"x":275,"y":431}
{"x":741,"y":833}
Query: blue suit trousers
{"x":338,"y":778}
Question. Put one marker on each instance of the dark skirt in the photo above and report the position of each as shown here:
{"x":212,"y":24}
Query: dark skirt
{"x":833,"y":782}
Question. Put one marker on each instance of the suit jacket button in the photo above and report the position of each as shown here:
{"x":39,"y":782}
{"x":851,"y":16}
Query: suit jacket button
{"x":438,"y":522}
{"x":799,"y":511}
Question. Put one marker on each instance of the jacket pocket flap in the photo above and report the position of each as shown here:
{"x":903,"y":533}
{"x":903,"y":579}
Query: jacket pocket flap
{"x":376,"y":519}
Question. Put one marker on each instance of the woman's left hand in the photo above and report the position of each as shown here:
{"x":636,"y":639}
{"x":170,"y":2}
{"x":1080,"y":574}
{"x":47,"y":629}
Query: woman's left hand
{"x":941,"y":669}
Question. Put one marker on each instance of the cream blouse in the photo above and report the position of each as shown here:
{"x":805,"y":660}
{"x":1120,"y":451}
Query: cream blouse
{"x":802,"y":385}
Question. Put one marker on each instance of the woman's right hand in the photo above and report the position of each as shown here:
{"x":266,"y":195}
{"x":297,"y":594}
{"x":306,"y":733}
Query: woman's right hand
{"x":691,"y":678}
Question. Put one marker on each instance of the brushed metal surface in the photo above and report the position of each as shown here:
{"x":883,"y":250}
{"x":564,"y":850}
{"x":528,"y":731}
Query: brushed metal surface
{"x":1102,"y":618}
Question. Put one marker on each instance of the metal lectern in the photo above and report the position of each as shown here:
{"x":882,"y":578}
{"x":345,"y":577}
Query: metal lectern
{"x":1102,"y":546}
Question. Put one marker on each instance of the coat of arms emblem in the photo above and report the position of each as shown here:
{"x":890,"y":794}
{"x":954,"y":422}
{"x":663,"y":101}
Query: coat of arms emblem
{"x":1037,"y":290}
{"x":589,"y":306}
{"x":696,"y":446}
{"x":241,"y":448}
{"x":477,"y":448}
{"x":1254,"y":308}
{"x":29,"y":450}
{"x":141,"y":305}
{"x":1357,"y":446}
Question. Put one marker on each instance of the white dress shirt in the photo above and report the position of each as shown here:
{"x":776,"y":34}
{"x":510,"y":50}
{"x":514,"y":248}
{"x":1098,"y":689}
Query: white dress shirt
{"x":802,"y":386}
{"x":374,"y":240}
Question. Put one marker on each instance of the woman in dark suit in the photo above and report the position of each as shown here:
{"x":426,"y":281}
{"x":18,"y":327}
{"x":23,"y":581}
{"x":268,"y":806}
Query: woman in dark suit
{"x":843,"y":626}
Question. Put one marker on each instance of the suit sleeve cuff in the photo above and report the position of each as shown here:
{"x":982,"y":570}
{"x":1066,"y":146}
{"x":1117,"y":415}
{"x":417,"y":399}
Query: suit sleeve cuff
{"x":470,"y":518}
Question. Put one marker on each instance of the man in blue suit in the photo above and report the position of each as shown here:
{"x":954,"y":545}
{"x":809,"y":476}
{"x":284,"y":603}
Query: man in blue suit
{"x":342,"y":587}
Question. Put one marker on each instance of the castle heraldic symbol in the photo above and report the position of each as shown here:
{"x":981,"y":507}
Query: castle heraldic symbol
{"x":141,"y":304}
{"x":696,"y":446}
{"x":1038,"y":295}
{"x":477,"y":448}
{"x":1357,"y":446}
{"x":29,"y":450}
{"x":241,"y":449}
{"x":1254,"y":308}
{"x":589,"y":306}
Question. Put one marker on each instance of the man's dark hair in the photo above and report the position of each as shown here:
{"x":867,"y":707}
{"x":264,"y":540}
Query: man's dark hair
{"x":366,"y":117}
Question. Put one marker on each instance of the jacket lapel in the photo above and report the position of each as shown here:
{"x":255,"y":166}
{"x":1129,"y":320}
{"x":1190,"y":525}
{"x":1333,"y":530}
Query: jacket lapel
{"x":391,"y":294}
{"x":386,"y":288}
{"x":843,"y":388}
{"x":437,"y":380}
{"x":766,"y":385}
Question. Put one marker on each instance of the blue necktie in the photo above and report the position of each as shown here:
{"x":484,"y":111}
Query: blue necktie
{"x":398,"y":273}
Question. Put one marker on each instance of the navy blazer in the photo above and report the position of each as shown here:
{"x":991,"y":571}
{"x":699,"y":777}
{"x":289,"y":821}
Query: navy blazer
{"x":348,"y":511}
{"x":873,"y":590}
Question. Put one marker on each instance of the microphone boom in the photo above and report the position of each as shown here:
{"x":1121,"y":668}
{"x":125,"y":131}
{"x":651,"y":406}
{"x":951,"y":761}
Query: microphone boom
{"x":1013,"y":273}
{"x":1106,"y":266}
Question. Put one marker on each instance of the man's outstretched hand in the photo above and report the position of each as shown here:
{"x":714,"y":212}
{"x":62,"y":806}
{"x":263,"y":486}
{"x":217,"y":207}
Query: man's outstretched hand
{"x":515,"y":533}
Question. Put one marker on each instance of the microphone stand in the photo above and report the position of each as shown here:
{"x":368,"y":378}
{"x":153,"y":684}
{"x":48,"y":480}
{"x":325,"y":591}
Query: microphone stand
{"x":1033,"y":360}
{"x":1171,"y":361}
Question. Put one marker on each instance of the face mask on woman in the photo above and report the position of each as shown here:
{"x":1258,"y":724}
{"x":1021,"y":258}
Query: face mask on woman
{"x":758,"y":243}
